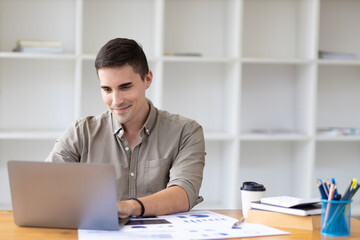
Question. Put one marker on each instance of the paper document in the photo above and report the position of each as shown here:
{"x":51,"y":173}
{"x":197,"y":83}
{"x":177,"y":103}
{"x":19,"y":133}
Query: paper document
{"x":188,"y":225}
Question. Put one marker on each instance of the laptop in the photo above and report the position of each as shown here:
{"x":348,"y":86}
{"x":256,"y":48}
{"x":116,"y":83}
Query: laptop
{"x":64,"y":195}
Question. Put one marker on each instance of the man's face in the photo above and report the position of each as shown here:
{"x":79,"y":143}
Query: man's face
{"x":123,"y":91}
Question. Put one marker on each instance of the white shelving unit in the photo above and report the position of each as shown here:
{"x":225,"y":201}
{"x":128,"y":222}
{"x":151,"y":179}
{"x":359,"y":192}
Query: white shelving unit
{"x":259,"y":69}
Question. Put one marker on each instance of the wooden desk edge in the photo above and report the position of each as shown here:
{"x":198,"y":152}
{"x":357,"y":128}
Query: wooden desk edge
{"x":10,"y":231}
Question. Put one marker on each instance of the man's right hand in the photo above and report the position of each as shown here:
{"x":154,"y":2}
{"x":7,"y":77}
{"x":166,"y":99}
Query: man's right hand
{"x":128,"y":208}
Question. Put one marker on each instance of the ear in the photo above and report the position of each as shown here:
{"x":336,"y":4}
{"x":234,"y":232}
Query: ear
{"x":148,"y":79}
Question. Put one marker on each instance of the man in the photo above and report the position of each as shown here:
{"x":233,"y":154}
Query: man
{"x":158,"y":157}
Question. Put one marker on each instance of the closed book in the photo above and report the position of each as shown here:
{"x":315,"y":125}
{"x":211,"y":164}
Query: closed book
{"x":38,"y":50}
{"x":299,"y":210}
{"x":38,"y":43}
{"x":276,"y":219}
{"x":337,"y":55}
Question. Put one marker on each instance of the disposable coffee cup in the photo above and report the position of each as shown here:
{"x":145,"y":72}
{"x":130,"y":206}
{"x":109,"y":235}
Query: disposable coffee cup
{"x":250,"y":192}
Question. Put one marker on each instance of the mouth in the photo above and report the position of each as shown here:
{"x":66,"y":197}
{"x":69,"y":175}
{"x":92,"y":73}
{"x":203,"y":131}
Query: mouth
{"x":120,"y":110}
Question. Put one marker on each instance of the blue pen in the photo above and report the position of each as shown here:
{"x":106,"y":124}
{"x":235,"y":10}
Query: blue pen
{"x":321,"y":189}
{"x":336,"y":191}
{"x":326,"y":187}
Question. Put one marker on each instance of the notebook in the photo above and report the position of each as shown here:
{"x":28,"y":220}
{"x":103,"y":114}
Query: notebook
{"x":288,"y":201}
{"x":64,"y":195}
{"x":299,"y":210}
{"x":289,"y":205}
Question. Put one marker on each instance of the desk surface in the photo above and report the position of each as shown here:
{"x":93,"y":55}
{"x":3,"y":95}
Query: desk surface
{"x":9,"y":231}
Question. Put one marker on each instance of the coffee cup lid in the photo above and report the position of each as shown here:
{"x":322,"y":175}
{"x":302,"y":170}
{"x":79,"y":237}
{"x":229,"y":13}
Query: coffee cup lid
{"x":252,"y":186}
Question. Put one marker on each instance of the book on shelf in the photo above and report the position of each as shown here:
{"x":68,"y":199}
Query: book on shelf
{"x":276,"y":131}
{"x":338,"y":131}
{"x":38,"y":50}
{"x":276,"y":219}
{"x":183,"y":54}
{"x":38,"y":46}
{"x":38,"y":43}
{"x":337,"y":55}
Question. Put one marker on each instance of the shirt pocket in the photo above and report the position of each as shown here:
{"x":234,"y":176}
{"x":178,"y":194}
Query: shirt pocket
{"x":157,"y":174}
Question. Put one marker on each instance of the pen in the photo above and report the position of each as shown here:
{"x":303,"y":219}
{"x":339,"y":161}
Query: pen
{"x":347,"y":191}
{"x":321,"y":189}
{"x":326,"y":188}
{"x":354,"y":191}
{"x":238,"y":223}
{"x":336,"y":191}
{"x":329,"y":184}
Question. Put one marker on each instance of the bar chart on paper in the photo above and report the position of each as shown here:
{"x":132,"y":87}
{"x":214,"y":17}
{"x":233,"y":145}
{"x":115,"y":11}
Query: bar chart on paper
{"x":189,"y":225}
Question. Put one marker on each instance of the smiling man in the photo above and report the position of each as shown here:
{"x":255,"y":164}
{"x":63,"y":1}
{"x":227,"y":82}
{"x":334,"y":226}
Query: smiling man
{"x":158,"y":157}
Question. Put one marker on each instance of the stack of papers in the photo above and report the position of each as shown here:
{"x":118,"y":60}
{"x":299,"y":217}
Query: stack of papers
{"x":189,"y":225}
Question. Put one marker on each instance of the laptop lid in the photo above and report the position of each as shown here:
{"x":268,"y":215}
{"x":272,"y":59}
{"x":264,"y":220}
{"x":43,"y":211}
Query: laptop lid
{"x":63,"y":195}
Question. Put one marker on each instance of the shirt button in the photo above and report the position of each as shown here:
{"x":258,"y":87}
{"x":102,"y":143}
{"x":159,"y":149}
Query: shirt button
{"x":147,"y":131}
{"x":127,"y":148}
{"x":132,"y":174}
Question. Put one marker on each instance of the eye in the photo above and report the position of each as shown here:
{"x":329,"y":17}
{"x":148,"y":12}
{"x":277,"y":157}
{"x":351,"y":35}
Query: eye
{"x":106,"y":90}
{"x":126,"y":86}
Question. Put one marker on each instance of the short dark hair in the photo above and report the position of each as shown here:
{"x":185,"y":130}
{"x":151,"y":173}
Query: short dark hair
{"x":119,"y":52}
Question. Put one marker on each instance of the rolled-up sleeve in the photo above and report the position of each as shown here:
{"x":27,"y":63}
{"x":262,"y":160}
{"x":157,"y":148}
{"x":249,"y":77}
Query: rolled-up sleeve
{"x":67,"y":146}
{"x":187,"y":168}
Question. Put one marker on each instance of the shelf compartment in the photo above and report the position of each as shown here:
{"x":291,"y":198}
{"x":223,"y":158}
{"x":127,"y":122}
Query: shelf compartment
{"x":337,"y":26}
{"x":36,"y":95}
{"x":279,"y":29}
{"x":127,"y":19}
{"x":277,"y":97}
{"x":37,"y":20}
{"x":217,"y":172}
{"x":91,"y":100}
{"x":185,"y":94}
{"x":284,"y":167}
{"x":338,"y":96}
{"x":32,"y":150}
{"x":209,"y":28}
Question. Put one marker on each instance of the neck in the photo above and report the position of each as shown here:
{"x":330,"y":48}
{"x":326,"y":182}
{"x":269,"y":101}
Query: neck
{"x":132,"y":131}
{"x":133,"y":128}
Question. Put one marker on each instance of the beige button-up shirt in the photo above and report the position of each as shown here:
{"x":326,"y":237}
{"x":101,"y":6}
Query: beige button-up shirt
{"x":171,"y":152}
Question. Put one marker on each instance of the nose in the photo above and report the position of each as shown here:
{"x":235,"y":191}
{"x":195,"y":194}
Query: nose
{"x":117,"y":98}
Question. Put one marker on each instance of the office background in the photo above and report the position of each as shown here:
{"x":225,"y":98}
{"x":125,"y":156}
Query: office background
{"x":247,"y":70}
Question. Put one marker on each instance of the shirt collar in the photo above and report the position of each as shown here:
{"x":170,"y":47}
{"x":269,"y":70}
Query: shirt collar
{"x":150,"y":121}
{"x":117,"y":128}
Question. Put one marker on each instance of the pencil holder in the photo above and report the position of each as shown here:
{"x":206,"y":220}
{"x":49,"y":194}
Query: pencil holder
{"x":335,"y":218}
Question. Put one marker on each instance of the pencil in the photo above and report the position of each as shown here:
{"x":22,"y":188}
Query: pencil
{"x":331,"y":195}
